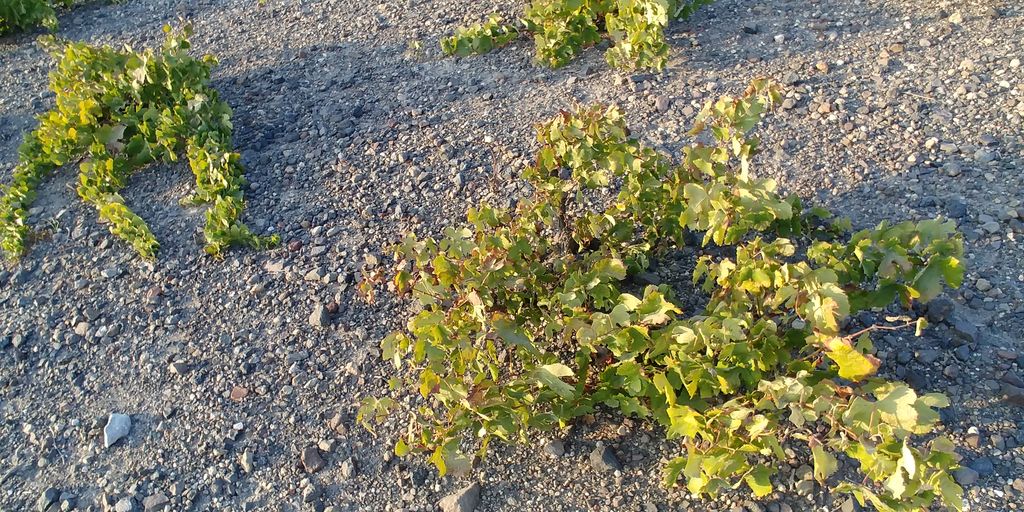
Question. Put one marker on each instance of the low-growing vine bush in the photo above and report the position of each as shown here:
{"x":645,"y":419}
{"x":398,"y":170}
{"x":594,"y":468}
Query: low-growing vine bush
{"x":16,"y":15}
{"x":480,"y":38}
{"x":562,"y":29}
{"x":117,"y":112}
{"x":530,"y":318}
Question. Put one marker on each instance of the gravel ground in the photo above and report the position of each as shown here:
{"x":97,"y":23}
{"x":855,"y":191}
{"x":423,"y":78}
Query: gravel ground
{"x":895,"y":109}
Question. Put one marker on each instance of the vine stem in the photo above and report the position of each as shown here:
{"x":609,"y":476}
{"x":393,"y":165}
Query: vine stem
{"x":878,"y":327}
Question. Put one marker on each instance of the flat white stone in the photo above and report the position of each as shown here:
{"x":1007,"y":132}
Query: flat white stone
{"x":117,"y":427}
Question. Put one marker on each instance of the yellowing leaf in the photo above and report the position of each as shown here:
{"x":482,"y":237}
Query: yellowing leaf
{"x":401,"y":449}
{"x":907,"y":460}
{"x":825,"y":464}
{"x":853,"y":365}
{"x":684,"y":421}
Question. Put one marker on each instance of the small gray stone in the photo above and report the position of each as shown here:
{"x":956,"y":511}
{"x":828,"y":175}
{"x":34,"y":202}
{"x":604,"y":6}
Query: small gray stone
{"x":952,"y":169}
{"x":245,"y":460}
{"x":1012,"y":379}
{"x":916,"y":379}
{"x":155,"y":502}
{"x":661,"y":103}
{"x":956,"y":209}
{"x":1014,"y":394}
{"x":604,"y":459}
{"x":850,"y":505}
{"x":963,"y":352}
{"x":462,"y":500}
{"x":348,"y":468}
{"x":965,"y":330}
{"x":311,"y":492}
{"x":984,"y":156}
{"x":554,"y":448}
{"x":110,"y":272}
{"x":315,"y":275}
{"x":927,"y":356}
{"x":118,"y":426}
{"x":126,"y":504}
{"x":68,"y":502}
{"x":47,"y":498}
{"x":178,"y":368}
{"x":940,"y":309}
{"x":295,"y":357}
{"x":983,"y":465}
{"x":987,"y":139}
{"x":311,"y":460}
{"x":319,"y":317}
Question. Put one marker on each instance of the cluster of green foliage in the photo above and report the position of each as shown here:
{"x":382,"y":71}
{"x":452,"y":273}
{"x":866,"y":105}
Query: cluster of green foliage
{"x":25,"y":14}
{"x":115,"y":113}
{"x":562,"y":29}
{"x":480,"y":38}
{"x":532,"y":317}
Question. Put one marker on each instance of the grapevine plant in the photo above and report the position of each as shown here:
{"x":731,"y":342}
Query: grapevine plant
{"x":530,"y":318}
{"x":562,"y":29}
{"x":18,"y":15}
{"x":117,"y":112}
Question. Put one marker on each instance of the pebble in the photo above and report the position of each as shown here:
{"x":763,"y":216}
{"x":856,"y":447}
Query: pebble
{"x":348,"y":468}
{"x":983,"y":465}
{"x":155,"y":502}
{"x":238,"y":393}
{"x":984,"y":156}
{"x":466,"y":499}
{"x":603,"y":459}
{"x":965,"y":476}
{"x":940,"y":309}
{"x":126,"y":504}
{"x":178,"y":368}
{"x":118,"y":426}
{"x":47,"y":498}
{"x":662,"y":103}
{"x":246,"y":461}
{"x":554,"y":448}
{"x":927,"y":356}
{"x":311,"y":459}
{"x":110,"y":272}
{"x":1014,"y":394}
{"x":963,"y":352}
{"x":319,"y":317}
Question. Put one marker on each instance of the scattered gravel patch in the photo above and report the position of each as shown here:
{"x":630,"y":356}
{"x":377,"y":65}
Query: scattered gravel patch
{"x":241,"y":377}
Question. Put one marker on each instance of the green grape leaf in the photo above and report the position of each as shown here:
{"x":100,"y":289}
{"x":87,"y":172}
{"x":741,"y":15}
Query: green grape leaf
{"x":759,"y":480}
{"x":550,"y":375}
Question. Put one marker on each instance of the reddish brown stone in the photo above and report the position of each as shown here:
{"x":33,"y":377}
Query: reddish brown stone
{"x":238,"y":393}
